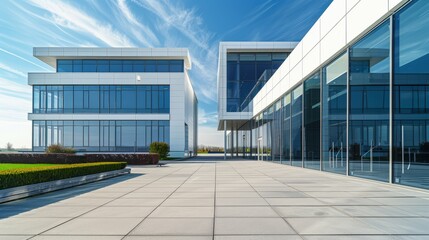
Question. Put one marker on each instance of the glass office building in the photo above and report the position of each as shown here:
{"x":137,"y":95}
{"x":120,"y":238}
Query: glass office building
{"x":114,"y":100}
{"x":363,"y":112}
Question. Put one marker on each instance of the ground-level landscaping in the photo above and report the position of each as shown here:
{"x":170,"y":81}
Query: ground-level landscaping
{"x":9,"y":166}
{"x":38,"y":173}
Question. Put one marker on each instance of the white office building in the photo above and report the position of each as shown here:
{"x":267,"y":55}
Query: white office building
{"x":114,"y":100}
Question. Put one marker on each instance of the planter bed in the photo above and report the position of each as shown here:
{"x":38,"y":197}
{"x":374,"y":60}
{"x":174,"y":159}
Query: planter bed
{"x":15,"y":193}
{"x":61,"y":158}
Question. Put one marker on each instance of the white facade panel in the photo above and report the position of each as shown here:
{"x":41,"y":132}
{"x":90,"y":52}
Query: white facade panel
{"x":356,"y":23}
{"x":332,"y":15}
{"x":333,"y":41}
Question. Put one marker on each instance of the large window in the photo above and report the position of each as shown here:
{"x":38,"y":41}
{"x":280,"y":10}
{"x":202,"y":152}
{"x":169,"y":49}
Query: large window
{"x":117,"y":65}
{"x":334,"y":110}
{"x":246,"y":74}
{"x":411,"y":95}
{"x":127,"y":136}
{"x":286,"y":130}
{"x":296,"y":126}
{"x":101,"y":99}
{"x":312,"y":122}
{"x":369,"y":62}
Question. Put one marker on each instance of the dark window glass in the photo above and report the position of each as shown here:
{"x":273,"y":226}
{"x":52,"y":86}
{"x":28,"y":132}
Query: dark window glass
{"x":312,"y":122}
{"x":150,"y":66}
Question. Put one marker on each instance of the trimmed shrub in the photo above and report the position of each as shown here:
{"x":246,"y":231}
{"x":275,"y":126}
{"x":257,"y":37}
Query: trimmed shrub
{"x":56,"y":148}
{"x":135,"y":159}
{"x":27,"y":176}
{"x":161,"y":148}
{"x":42,"y":158}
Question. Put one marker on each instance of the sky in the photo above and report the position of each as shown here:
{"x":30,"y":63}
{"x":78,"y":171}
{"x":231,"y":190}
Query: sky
{"x":198,"y":25}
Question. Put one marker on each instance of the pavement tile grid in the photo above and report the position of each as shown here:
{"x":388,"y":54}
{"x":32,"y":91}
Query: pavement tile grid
{"x":208,"y":198}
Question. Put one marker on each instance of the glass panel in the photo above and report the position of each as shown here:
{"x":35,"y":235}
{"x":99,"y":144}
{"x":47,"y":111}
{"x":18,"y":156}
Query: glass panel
{"x":296,"y":128}
{"x":411,"y":95}
{"x":286,"y":130}
{"x":312,"y":122}
{"x":334,"y":105}
{"x":369,"y":105}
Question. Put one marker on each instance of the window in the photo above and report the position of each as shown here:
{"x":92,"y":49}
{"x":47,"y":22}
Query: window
{"x":119,"y":65}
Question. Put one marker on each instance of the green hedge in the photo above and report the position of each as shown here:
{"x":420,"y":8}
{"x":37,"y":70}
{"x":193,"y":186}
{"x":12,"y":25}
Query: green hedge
{"x":21,"y":177}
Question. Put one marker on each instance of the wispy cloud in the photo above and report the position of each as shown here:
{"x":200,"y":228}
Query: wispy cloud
{"x":143,"y":33}
{"x":12,"y":70}
{"x":77,"y":20}
{"x":23,"y":59}
{"x":174,"y":17}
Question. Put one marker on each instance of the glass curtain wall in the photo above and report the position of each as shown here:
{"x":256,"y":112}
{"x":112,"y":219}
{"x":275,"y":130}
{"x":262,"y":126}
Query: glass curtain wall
{"x":246,"y":74}
{"x":369,"y":64}
{"x":411,"y":95}
{"x":117,"y":65}
{"x":334,"y":115}
{"x":311,"y":137}
{"x":127,"y":136}
{"x":356,"y":87}
{"x":101,"y":99}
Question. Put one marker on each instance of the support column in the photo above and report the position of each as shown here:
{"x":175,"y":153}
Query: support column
{"x":236,"y":143}
{"x":232,"y":141}
{"x":224,"y":139}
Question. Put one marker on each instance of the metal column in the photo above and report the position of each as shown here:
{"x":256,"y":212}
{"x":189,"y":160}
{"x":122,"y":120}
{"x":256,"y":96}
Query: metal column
{"x":224,"y":139}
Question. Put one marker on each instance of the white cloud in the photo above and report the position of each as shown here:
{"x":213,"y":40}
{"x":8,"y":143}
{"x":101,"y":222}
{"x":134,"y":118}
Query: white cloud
{"x":75,"y":19}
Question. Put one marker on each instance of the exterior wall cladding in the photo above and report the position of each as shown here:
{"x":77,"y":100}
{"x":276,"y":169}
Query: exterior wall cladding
{"x":114,"y":100}
{"x":352,"y":98}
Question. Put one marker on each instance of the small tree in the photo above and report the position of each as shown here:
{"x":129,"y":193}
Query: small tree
{"x":9,"y":146}
{"x":161,"y":148}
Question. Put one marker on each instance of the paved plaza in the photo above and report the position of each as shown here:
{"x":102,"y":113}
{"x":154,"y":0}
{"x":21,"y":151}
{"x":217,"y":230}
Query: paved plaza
{"x":207,"y":198}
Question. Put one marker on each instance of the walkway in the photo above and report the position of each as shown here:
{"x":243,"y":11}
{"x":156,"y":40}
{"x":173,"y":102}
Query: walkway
{"x":206,"y":199}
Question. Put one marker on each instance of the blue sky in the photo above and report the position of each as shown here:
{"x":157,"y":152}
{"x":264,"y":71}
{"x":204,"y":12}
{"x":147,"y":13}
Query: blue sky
{"x":196,"y":25}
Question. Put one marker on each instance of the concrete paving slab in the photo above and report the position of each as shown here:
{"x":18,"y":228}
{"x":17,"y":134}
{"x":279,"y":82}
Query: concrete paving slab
{"x":175,"y":227}
{"x":205,"y":199}
{"x":252,"y":226}
{"x":239,"y":211}
{"x":96,"y":226}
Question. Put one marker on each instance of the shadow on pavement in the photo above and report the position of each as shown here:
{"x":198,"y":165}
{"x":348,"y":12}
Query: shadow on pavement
{"x":16,"y":207}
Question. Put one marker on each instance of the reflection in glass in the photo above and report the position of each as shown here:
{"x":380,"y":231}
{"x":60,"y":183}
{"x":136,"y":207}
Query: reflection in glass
{"x":369,"y":105}
{"x":103,"y":136}
{"x":334,"y":106}
{"x":411,"y":95}
{"x":296,"y":127}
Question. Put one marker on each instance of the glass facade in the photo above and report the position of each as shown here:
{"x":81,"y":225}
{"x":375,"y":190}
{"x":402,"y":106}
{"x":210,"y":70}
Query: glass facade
{"x":411,"y":95}
{"x":246,"y":75}
{"x":364,"y":114}
{"x":104,"y":136}
{"x":101,"y":99}
{"x":118,"y":65}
